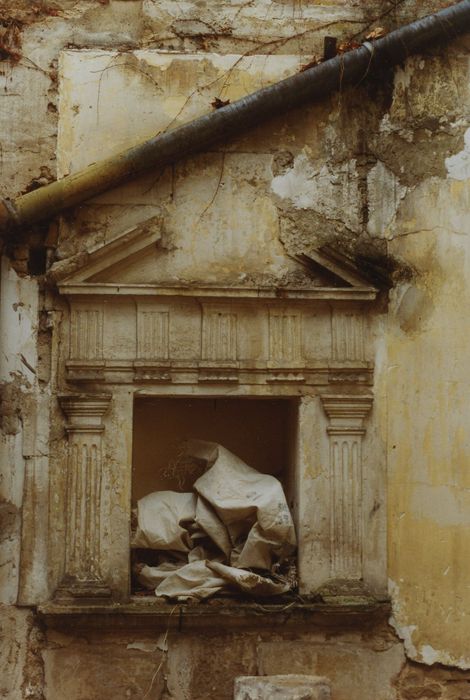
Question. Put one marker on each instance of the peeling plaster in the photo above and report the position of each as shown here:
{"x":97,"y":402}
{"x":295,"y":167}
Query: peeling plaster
{"x":298,"y":183}
{"x":385,"y":194}
{"x":425,"y":653}
{"x":432,"y":210}
{"x":429,"y":656}
{"x":18,"y":325}
{"x":313,"y":185}
{"x":405,"y":632}
{"x":388,"y":127}
{"x":458,"y":166}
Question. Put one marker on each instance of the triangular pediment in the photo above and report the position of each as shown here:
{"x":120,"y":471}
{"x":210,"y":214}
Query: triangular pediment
{"x":130,"y":264}
{"x":106,"y":260}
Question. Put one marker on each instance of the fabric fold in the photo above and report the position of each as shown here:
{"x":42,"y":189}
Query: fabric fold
{"x":231,"y":532}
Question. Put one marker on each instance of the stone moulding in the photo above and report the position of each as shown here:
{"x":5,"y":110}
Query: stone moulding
{"x":103,"y":263}
{"x":140,"y":340}
{"x":189,"y":340}
{"x":364,"y":293}
{"x":82,"y":577}
{"x":346,"y":429}
{"x":141,"y":614}
{"x":212,"y":334}
{"x":215,"y":372}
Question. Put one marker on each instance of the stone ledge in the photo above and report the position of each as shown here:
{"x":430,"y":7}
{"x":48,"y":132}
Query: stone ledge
{"x":341,"y":612}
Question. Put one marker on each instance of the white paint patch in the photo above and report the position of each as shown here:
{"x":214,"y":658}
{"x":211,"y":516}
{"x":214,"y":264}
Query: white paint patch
{"x":429,"y":655}
{"x":405,"y":632}
{"x":18,"y":325}
{"x":402,"y":79}
{"x":298,"y":183}
{"x":426,"y":653}
{"x":309,"y":185}
{"x":458,"y":166}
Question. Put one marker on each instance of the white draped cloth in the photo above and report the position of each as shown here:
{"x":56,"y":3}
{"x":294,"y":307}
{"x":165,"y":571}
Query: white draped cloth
{"x":236,"y":520}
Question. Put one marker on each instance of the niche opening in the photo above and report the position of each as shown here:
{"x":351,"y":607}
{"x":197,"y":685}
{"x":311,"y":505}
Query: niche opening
{"x":260,"y":431}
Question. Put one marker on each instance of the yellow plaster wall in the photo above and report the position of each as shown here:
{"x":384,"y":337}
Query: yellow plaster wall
{"x":428,"y":378}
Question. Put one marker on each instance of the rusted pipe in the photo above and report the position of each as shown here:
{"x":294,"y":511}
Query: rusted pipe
{"x":229,"y":121}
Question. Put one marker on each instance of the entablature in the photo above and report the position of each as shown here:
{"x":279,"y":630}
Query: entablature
{"x":125,"y":326}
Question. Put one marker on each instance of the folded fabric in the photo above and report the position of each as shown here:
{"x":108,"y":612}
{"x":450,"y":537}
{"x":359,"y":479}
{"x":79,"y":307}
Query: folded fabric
{"x":251,"y":505}
{"x":161,"y":519}
{"x":237,"y":519}
{"x":248,"y":581}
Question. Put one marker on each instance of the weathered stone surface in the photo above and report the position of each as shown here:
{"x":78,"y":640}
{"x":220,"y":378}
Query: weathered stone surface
{"x":103,"y":671}
{"x":21,"y":645}
{"x":345,"y":664}
{"x":291,"y":340}
{"x":13,"y":650}
{"x":288,"y":687}
{"x":381,"y":169}
{"x":419,"y":682}
{"x":198,"y":666}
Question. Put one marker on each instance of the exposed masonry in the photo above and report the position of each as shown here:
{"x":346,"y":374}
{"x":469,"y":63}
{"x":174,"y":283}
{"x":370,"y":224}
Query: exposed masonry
{"x":400,"y":137}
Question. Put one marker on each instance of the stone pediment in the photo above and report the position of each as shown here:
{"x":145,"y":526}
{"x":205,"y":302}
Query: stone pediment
{"x":129,"y":265}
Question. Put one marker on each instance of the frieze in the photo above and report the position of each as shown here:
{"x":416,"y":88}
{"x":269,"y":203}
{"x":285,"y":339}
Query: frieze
{"x":189,"y":340}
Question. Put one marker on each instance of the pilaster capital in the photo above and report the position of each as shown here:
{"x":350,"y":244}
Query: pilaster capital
{"x":84,"y":411}
{"x":346,"y":412}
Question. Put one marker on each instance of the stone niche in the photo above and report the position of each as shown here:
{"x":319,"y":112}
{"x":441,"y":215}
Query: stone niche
{"x":289,"y":372}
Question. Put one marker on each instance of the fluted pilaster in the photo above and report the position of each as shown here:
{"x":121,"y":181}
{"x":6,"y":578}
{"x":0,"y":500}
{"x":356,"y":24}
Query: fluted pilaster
{"x":82,"y":570}
{"x":346,"y":430}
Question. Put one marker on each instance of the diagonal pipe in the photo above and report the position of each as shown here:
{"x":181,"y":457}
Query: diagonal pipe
{"x":229,"y":121}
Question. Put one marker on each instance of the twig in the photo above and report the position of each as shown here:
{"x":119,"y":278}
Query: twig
{"x":163,"y":654}
{"x":216,"y":189}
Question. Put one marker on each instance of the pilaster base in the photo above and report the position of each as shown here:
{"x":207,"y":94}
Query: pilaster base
{"x":81,"y":591}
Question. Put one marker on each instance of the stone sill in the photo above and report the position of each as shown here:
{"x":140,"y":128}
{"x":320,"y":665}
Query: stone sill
{"x":226,"y":614}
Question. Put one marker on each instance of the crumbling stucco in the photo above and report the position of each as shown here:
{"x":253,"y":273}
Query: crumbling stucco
{"x":380,"y":170}
{"x":427,"y":480}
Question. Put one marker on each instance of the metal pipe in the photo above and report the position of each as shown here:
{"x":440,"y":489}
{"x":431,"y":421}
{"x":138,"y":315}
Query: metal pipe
{"x":229,"y":121}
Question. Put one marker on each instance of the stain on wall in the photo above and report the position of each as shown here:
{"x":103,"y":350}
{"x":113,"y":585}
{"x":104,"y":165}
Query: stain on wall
{"x":380,"y":170}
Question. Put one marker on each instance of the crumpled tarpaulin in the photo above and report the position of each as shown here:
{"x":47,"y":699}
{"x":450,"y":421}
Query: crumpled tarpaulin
{"x":237,"y":520}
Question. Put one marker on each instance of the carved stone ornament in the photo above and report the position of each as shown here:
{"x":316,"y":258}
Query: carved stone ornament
{"x":346,"y":429}
{"x":82,"y":572}
{"x":140,"y":331}
{"x":135,"y":333}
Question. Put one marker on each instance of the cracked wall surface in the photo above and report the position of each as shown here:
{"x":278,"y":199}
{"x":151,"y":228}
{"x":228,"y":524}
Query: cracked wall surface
{"x":427,"y":473}
{"x":195,"y":665}
{"x":382,"y":170}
